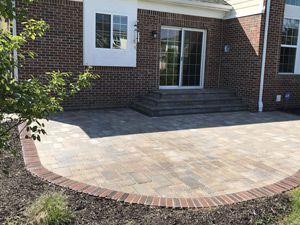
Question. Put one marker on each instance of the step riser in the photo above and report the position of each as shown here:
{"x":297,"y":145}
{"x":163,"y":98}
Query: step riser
{"x":197,"y":111}
{"x":180,"y":102}
{"x":194,"y":96}
{"x":190,"y":103}
{"x":190,"y":111}
{"x":192,"y":91}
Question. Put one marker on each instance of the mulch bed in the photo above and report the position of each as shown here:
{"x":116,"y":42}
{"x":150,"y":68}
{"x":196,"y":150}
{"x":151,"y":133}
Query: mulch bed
{"x":18,"y":188}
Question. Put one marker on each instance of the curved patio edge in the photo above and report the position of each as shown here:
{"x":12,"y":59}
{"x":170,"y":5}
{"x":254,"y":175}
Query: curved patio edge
{"x":33,"y":165}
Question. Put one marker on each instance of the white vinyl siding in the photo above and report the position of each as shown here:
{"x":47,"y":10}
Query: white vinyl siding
{"x":245,"y":8}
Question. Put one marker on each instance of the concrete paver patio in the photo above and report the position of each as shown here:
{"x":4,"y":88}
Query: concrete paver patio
{"x":176,"y":156}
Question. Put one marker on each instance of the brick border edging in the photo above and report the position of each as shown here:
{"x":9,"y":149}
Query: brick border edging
{"x":33,"y":165}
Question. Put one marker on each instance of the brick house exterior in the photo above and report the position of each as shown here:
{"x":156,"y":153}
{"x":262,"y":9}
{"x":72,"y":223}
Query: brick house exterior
{"x":276,"y":83}
{"x":238,"y":68}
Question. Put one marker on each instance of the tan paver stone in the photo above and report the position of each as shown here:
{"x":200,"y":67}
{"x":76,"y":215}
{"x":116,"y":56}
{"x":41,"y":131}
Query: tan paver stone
{"x":178,"y":156}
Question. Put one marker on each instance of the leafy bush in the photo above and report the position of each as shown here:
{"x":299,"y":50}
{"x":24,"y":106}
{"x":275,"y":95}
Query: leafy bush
{"x":50,"y":209}
{"x":29,"y":101}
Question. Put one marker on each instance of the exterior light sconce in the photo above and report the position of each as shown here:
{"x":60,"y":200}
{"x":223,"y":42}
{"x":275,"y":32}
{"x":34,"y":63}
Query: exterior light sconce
{"x":137,"y":33}
{"x":154,"y":34}
{"x":227,"y":48}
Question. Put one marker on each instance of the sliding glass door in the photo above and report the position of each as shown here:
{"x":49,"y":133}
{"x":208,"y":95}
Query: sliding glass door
{"x":182,"y":58}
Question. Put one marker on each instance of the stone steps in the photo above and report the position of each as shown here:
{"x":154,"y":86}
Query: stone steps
{"x":201,"y":100}
{"x":180,"y":102}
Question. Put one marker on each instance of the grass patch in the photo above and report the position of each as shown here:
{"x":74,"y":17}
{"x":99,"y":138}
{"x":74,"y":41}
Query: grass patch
{"x":13,"y":221}
{"x":294,"y":217}
{"x":50,"y":209}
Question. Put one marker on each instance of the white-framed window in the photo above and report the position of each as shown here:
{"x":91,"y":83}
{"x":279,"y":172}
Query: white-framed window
{"x":289,"y":46}
{"x":292,"y":2}
{"x":111,"y":31}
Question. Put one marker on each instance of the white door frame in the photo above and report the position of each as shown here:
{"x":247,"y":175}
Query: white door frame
{"x":203,"y":58}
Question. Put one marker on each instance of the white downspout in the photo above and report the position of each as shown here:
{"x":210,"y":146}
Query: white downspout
{"x":15,"y":53}
{"x":264,"y":56}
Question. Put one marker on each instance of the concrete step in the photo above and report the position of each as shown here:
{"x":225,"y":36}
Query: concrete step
{"x":191,"y":93}
{"x":179,"y":102}
{"x":198,"y":100}
{"x":195,"y":109}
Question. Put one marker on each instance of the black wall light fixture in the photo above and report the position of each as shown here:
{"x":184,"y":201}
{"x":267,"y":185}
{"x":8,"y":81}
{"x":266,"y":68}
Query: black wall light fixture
{"x":154,"y":34}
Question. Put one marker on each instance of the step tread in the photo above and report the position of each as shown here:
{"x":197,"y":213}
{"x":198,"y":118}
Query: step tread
{"x":196,"y":106}
{"x":198,"y":111}
{"x":193,"y":91}
{"x":199,"y":99}
{"x":173,"y":112}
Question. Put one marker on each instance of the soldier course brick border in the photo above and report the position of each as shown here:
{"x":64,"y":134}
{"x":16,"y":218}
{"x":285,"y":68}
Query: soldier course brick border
{"x":33,"y":165}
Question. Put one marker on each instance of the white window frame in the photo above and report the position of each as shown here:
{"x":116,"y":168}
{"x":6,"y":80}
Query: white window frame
{"x":112,"y":30}
{"x":297,"y":47}
{"x":292,"y":12}
{"x":107,"y":57}
{"x":203,"y":59}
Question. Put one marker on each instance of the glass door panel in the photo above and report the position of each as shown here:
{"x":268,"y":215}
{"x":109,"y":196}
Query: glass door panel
{"x":181,"y":58}
{"x":192,"y":58}
{"x":170,"y":57}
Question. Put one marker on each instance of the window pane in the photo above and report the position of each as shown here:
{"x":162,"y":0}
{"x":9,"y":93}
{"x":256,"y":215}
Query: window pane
{"x":170,"y":45}
{"x":290,"y":32}
{"x":293,"y":2}
{"x":117,"y":19}
{"x":192,"y":58}
{"x":124,"y":20}
{"x":103,"y":32}
{"x":120,"y":32}
{"x":287,"y":60}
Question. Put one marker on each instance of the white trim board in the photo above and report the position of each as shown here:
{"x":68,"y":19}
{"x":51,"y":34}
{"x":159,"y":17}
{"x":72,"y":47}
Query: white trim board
{"x":182,"y":7}
{"x":186,"y":7}
{"x":234,"y":9}
{"x":245,"y":8}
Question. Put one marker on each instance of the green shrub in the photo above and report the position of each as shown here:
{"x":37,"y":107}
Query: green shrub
{"x":29,"y":101}
{"x":50,"y":209}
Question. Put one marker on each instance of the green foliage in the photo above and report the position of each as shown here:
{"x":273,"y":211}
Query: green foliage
{"x":29,"y":101}
{"x":50,"y":209}
{"x":8,"y":10}
{"x":294,"y":217}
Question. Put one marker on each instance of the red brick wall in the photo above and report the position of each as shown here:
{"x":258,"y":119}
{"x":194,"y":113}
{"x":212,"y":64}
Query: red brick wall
{"x":62,"y":48}
{"x":276,"y":84}
{"x":242,"y":65}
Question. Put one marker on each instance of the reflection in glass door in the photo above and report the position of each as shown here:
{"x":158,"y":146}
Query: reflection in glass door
{"x":181,"y":58}
{"x":170,"y":53}
{"x":192,"y":58}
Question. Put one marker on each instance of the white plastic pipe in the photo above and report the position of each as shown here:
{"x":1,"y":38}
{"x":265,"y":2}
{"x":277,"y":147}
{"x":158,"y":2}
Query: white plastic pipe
{"x":264,"y":57}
